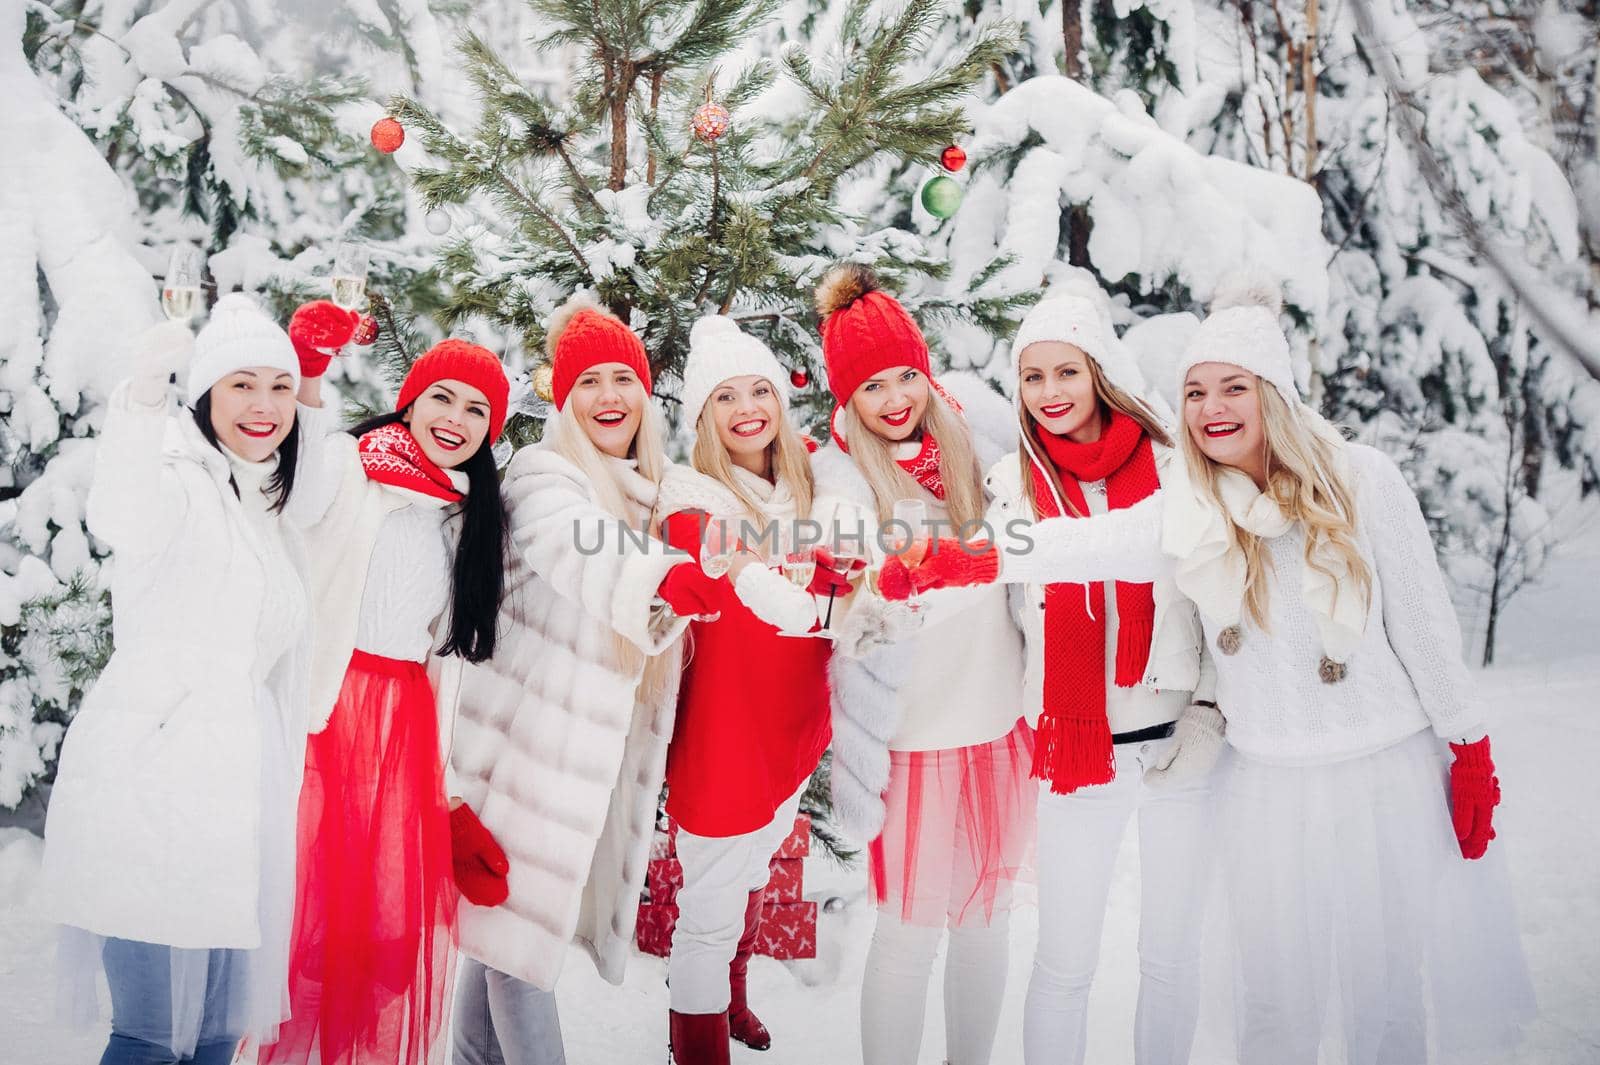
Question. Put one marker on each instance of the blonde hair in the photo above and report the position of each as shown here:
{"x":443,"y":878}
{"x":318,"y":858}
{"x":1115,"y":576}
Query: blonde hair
{"x":787,"y":458}
{"x":1303,"y":479}
{"x":566,"y":436}
{"x":1108,"y":398}
{"x":958,"y":462}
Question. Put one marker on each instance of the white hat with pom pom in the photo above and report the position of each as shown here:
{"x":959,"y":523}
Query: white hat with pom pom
{"x":1077,"y":312}
{"x":1242,"y":330}
{"x":720,"y":350}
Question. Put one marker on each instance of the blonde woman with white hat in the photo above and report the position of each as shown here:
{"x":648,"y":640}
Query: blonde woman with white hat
{"x":753,"y":706}
{"x":169,"y":844}
{"x":1361,"y":776}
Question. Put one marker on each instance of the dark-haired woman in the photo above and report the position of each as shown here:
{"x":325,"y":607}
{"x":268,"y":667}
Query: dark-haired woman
{"x":170,"y":838}
{"x":407,"y":549}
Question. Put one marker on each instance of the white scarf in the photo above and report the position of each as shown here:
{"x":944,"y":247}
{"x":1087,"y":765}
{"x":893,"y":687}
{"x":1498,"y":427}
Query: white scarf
{"x":1211,"y":570}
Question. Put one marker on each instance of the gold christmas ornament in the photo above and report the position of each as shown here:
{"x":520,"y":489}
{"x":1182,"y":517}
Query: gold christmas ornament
{"x":544,"y":382}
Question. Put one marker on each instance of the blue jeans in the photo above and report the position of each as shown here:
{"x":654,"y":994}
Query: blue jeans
{"x":142,"y":1023}
{"x":501,"y":1020}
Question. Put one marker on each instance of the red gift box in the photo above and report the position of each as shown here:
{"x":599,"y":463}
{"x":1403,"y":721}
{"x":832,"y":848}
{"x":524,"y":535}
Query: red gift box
{"x":654,"y":932}
{"x":788,"y":931}
{"x":662,"y":879}
{"x":797,"y":844}
{"x":786,"y":881}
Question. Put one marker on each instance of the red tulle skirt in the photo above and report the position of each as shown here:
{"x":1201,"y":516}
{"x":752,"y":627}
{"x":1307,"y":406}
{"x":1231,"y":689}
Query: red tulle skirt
{"x":958,"y":830}
{"x":371,"y":962}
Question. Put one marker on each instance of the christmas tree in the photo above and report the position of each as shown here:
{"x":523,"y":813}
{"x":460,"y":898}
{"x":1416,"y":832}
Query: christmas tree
{"x":682,"y":176}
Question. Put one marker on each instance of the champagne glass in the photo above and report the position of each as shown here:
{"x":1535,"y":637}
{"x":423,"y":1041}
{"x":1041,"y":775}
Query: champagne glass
{"x":846,"y":551}
{"x":349,"y":274}
{"x":717,"y":548}
{"x":180,"y":290}
{"x":797,"y":561}
{"x":913,"y":514}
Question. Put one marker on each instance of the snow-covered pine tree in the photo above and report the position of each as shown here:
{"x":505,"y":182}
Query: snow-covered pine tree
{"x":128,"y":128}
{"x":609,"y":189}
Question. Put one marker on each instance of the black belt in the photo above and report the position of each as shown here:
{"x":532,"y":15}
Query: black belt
{"x":1143,"y":735}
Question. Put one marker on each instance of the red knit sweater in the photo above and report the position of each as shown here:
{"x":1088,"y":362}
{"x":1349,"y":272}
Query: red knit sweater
{"x":752,"y":714}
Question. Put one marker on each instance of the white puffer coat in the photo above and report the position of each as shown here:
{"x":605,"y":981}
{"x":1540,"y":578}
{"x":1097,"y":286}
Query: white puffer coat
{"x":556,"y":748}
{"x":153,"y":832}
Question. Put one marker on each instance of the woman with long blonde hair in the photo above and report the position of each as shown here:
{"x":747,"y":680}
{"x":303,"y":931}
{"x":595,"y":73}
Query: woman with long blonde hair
{"x":561,"y":737}
{"x":753,"y":707}
{"x":1342,"y":818}
{"x":931,"y":761}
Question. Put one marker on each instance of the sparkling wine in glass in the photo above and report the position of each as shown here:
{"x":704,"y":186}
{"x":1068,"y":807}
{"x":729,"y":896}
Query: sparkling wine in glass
{"x":349,"y":274}
{"x":717,"y":547}
{"x":180,"y":290}
{"x":913,"y":515}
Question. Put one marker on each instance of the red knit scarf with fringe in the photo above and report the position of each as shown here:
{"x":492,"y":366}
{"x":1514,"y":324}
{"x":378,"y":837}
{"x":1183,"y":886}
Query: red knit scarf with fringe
{"x":391,"y":455}
{"x":1073,"y":747}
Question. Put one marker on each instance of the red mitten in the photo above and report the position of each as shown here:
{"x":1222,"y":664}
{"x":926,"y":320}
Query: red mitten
{"x":1474,"y":793}
{"x":480,"y":866}
{"x":954,"y":564}
{"x":319,"y":329}
{"x":894,"y":580}
{"x":827,"y":580}
{"x":688,"y":591}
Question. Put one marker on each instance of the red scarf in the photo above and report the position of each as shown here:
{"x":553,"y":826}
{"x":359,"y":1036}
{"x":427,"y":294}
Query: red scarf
{"x":1073,"y":747}
{"x":391,"y":455}
{"x":924,"y":465}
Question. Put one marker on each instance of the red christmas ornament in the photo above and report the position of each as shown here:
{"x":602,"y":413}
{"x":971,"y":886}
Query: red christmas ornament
{"x":366,"y":331}
{"x":799,"y":378}
{"x":710,"y":121}
{"x":953,"y":158}
{"x":387,"y":135}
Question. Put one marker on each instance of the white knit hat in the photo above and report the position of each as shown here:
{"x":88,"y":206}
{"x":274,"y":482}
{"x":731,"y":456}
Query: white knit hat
{"x":719,"y":350}
{"x":238,"y":335}
{"x":1242,"y":330}
{"x":1076,"y":313}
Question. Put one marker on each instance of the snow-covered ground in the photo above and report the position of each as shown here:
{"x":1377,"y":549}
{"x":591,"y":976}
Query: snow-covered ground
{"x":1545,"y":693}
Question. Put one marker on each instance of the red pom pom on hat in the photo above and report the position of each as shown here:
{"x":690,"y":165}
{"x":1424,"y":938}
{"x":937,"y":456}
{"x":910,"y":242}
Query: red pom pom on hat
{"x":460,"y":360}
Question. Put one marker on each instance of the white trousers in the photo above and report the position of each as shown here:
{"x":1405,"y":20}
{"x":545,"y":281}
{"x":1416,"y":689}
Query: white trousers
{"x":894,"y":992}
{"x":719,"y":873}
{"x":1079,"y":836}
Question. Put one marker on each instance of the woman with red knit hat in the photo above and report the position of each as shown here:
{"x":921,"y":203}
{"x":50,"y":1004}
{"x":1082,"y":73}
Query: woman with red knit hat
{"x":743,"y":747}
{"x":406,"y":530}
{"x":561,"y":738}
{"x":930,"y":758}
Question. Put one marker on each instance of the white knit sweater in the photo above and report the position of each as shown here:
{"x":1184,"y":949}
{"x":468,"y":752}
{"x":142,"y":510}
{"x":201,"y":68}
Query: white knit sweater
{"x":1405,"y":675}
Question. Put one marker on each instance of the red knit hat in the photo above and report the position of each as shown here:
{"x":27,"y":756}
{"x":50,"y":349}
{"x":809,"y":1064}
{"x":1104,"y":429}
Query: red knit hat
{"x":458,"y":360}
{"x":864,"y":330}
{"x":581,"y":335}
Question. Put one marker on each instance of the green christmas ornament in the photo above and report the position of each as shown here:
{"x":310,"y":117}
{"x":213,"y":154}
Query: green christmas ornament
{"x":941,"y":196}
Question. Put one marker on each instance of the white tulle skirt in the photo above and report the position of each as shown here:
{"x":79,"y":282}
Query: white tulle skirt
{"x":1357,"y":931}
{"x":179,"y":997}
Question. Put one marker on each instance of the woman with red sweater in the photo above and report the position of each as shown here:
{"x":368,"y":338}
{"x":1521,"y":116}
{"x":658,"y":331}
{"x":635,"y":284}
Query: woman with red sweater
{"x":743,"y":748}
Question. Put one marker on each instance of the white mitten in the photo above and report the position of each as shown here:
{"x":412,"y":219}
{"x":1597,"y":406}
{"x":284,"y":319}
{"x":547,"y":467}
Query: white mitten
{"x":159,"y":352}
{"x":1196,"y":746}
{"x":771,"y":597}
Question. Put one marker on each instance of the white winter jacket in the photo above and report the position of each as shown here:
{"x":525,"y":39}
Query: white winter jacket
{"x":555,"y":746}
{"x":1178,"y":658}
{"x":153,"y":831}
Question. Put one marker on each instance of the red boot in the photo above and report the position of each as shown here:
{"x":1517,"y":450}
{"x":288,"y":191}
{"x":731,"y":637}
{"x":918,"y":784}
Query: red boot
{"x":743,"y":1025}
{"x":699,"y":1038}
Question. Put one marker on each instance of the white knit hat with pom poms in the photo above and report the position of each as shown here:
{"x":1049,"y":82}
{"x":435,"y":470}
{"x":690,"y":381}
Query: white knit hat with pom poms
{"x":1242,"y":330}
{"x":720,"y":350}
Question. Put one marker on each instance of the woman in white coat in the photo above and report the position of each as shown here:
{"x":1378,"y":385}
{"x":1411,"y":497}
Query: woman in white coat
{"x":930,"y":755}
{"x":561,"y":737}
{"x":1113,"y":667}
{"x":169,"y":844}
